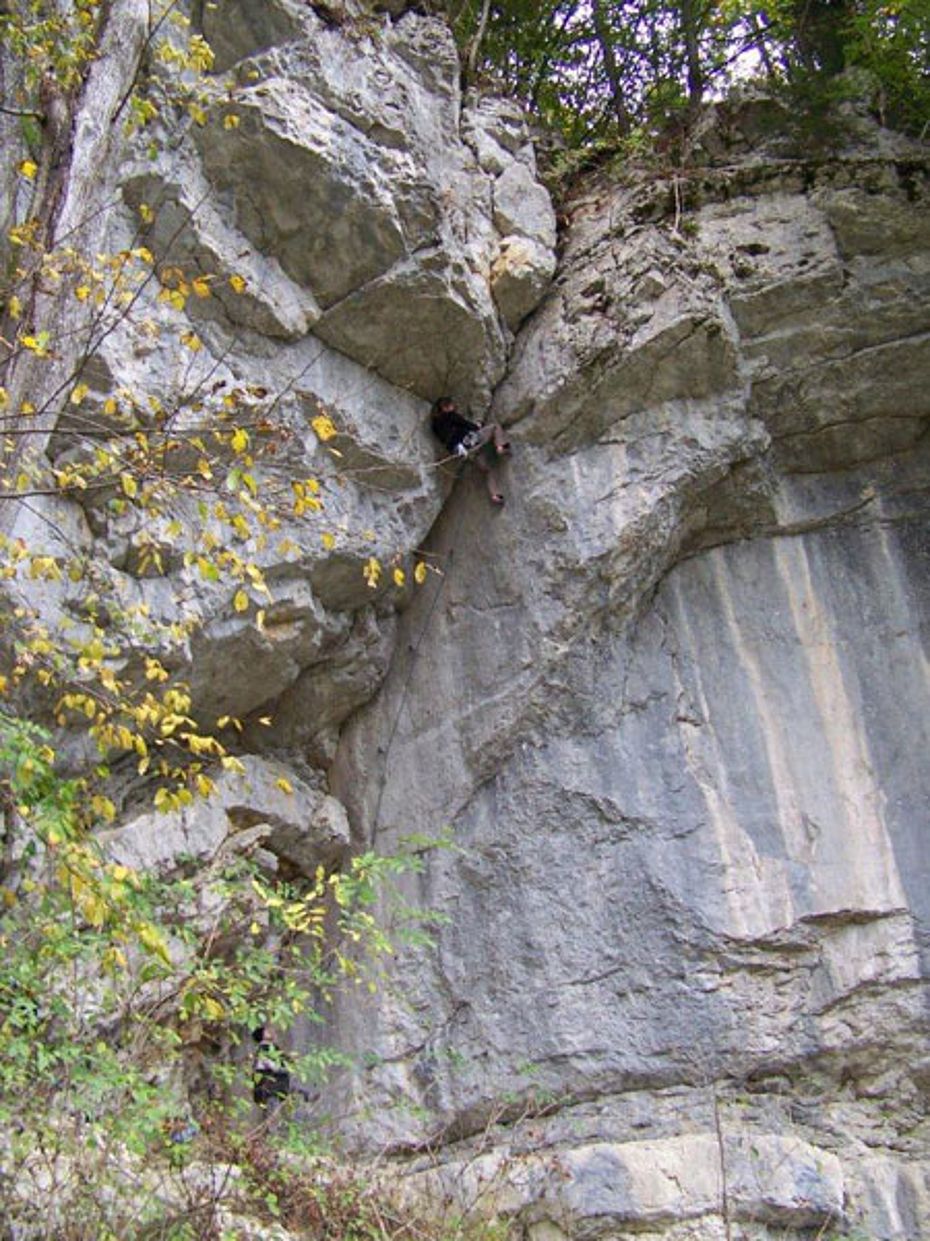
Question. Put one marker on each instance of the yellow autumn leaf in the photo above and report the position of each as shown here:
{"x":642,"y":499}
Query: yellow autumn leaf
{"x":399,"y":577}
{"x":240,"y":440}
{"x":129,"y":485}
{"x":4,"y":398}
{"x":213,"y":1010}
{"x":284,"y":785}
{"x":82,"y":292}
{"x":419,"y":573}
{"x":79,"y":393}
{"x":114,"y":958}
{"x":28,"y":169}
{"x":146,"y":212}
{"x":15,"y":307}
{"x":237,"y":284}
{"x":323,"y":426}
{"x":94,"y":909}
{"x":201,"y":286}
{"x":201,"y":55}
{"x":241,"y":601}
{"x":103,"y":807}
{"x":192,"y":341}
{"x":231,"y":121}
{"x":329,"y":540}
{"x":152,"y":940}
{"x":155,"y":670}
{"x":372,"y":572}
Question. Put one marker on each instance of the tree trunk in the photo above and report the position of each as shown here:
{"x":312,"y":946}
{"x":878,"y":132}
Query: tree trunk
{"x":690,"y":23}
{"x":475,"y":45}
{"x":819,"y":34}
{"x":759,"y":37}
{"x":74,"y":180}
{"x":611,"y":68}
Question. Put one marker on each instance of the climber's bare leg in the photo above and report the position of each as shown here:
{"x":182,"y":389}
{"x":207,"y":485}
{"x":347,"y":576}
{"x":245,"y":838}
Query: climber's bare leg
{"x":490,"y":479}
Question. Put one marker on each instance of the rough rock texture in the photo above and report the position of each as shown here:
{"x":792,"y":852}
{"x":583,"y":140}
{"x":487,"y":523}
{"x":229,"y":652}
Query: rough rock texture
{"x":294,"y":824}
{"x":356,"y":199}
{"x":671,"y":702}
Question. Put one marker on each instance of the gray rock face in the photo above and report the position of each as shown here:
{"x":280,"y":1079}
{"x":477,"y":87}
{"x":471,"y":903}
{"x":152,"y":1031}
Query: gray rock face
{"x":297,"y":825}
{"x":672,"y":704}
{"x":347,"y":197}
{"x":338,"y":185}
{"x":350,"y":180}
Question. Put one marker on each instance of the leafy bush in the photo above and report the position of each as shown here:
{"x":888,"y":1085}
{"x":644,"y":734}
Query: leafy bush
{"x":126,"y":1000}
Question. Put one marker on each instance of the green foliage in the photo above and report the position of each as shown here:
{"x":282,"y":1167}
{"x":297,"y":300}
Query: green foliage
{"x":28,"y":780}
{"x":50,"y":41}
{"x":596,"y":70}
{"x":118,"y":990}
{"x":891,"y":41}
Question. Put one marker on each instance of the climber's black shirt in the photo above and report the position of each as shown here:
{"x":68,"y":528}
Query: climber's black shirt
{"x":451,"y":428}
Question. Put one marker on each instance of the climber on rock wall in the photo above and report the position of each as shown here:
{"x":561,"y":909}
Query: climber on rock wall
{"x":271,"y":1079}
{"x":464,"y":438}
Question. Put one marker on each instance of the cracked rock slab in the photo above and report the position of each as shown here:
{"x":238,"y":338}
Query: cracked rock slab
{"x":301,"y":826}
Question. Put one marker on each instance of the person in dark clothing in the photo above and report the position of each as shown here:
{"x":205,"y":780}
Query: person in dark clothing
{"x":271,"y":1080}
{"x":464,"y":438}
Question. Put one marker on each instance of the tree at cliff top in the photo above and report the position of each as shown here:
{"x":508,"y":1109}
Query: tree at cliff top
{"x":599,"y":69}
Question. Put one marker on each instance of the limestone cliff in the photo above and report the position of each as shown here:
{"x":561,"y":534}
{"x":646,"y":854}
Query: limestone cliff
{"x":671,"y":703}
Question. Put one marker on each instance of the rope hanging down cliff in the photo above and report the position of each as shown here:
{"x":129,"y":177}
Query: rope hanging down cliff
{"x":456,"y":433}
{"x":385,"y":750}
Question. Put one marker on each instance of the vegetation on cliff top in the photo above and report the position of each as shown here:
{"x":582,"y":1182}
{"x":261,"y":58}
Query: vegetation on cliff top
{"x":600,"y":71}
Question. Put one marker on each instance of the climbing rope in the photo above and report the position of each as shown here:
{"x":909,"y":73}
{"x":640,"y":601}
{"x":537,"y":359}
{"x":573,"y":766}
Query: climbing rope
{"x":385,"y":750}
